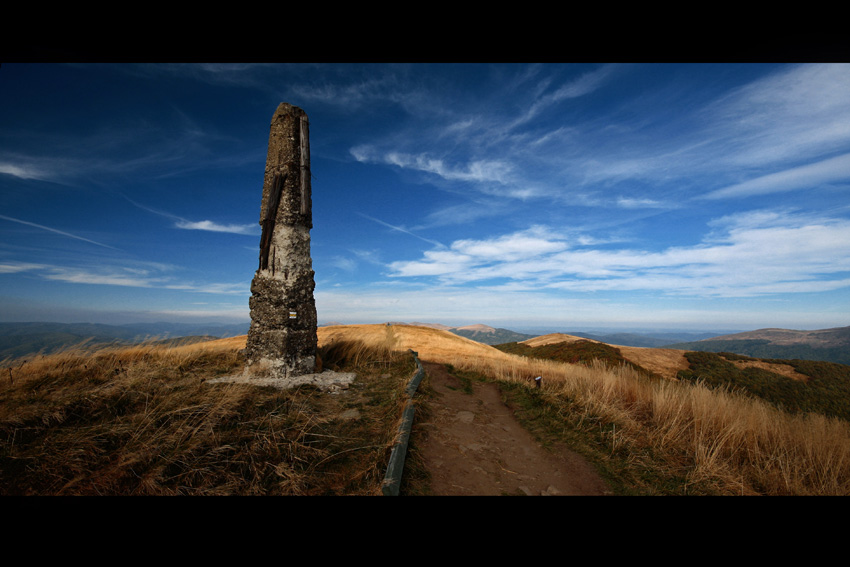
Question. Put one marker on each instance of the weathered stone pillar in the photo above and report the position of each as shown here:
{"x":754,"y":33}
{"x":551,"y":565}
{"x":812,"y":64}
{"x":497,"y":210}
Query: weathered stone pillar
{"x":282,"y":338}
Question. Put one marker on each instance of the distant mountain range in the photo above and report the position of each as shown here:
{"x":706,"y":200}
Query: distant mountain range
{"x":22,"y":339}
{"x":829,"y":345}
{"x":478,"y":333}
{"x":497,"y":336}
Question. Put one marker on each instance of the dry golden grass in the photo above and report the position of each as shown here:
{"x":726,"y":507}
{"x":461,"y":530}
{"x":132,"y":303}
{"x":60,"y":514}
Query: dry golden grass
{"x":142,"y":420}
{"x":719,"y":441}
{"x":146,"y":421}
{"x":554,"y":338}
{"x":666,"y":362}
{"x":431,"y":344}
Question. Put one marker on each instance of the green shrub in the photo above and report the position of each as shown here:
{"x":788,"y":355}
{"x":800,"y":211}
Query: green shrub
{"x":827,"y":391}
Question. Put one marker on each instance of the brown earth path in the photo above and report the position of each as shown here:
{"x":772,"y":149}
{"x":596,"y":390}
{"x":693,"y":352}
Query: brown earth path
{"x":474,"y":446}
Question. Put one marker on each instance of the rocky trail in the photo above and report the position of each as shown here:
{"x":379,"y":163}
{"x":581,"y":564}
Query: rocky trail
{"x":474,"y":446}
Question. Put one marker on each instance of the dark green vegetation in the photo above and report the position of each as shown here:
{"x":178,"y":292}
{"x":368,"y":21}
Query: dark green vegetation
{"x":829,"y":345}
{"x":827,"y":391}
{"x":577,"y":352}
{"x":764,"y":348}
{"x":497,"y":336}
{"x":146,"y":421}
{"x":657,"y":340}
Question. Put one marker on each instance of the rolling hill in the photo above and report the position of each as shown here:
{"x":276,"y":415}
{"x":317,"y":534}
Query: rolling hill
{"x":480,"y":333}
{"x":431,"y":343}
{"x":794,"y":385}
{"x":829,"y":345}
{"x":662,"y":362}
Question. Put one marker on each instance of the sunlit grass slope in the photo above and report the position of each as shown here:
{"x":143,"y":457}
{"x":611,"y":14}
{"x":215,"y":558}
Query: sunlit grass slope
{"x":657,"y":436}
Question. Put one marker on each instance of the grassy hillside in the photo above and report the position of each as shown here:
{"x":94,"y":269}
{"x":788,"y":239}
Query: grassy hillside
{"x":146,"y":421}
{"x":764,"y":348}
{"x":825,"y":388}
{"x":650,"y":436}
{"x":576,"y":352}
{"x":834,"y":337}
{"x":494,"y":337}
{"x":660,"y":437}
{"x":820,"y":387}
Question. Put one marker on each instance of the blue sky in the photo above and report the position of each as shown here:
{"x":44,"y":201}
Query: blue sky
{"x":518,"y":195}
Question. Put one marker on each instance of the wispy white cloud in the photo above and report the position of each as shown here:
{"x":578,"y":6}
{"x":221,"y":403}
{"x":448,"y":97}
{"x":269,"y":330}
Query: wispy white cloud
{"x":153,"y":276}
{"x":23,"y":171}
{"x":797,"y":113}
{"x":343,"y":263}
{"x":99,"y":277}
{"x":211,"y":226}
{"x":466,"y":212}
{"x":810,"y":176}
{"x":641,"y":203}
{"x":774,"y":121}
{"x":490,"y":147}
{"x":746,"y":255}
{"x":355,"y":86}
{"x":466,"y":257}
{"x":17,"y":267}
{"x":578,"y":87}
{"x":61,"y":167}
{"x":239,"y":288}
{"x":368,"y":256}
{"x":785,"y":130}
{"x":207,"y":225}
{"x":402,"y":230}
{"x":56,"y":231}
{"x":478,"y":170}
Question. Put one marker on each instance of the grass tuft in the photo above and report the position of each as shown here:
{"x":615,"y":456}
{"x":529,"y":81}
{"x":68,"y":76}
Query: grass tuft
{"x":651,"y":436}
{"x":145,"y":421}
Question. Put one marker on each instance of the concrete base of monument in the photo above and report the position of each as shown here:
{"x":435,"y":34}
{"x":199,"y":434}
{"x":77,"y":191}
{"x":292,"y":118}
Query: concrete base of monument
{"x":328,"y":380}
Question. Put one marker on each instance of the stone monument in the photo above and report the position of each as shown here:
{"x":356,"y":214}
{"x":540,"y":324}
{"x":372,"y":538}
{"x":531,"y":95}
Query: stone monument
{"x":282,"y":337}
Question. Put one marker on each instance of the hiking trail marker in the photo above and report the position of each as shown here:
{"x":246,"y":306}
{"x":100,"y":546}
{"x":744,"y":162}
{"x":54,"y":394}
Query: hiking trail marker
{"x":282,"y":337}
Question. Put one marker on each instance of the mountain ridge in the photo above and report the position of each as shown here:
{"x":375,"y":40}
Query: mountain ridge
{"x":477,"y":332}
{"x":828,"y":345}
{"x":819,"y":338}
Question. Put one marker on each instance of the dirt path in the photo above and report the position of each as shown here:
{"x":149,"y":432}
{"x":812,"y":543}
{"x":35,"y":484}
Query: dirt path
{"x":474,"y":447}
